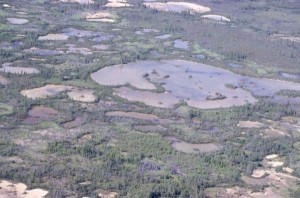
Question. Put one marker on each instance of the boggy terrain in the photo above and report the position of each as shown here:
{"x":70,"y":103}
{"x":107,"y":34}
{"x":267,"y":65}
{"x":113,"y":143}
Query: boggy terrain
{"x":115,"y":98}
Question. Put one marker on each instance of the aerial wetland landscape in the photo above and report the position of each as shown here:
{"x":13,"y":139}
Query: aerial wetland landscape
{"x":149,"y":98}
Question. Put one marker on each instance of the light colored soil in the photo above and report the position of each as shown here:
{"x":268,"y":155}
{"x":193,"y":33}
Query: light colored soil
{"x":50,"y":90}
{"x":267,"y":193}
{"x":258,"y":173}
{"x":44,"y":92}
{"x":101,"y":17}
{"x":6,"y":68}
{"x":18,"y":190}
{"x":7,"y":6}
{"x":269,"y":176}
{"x":271,"y":157}
{"x":17,"y":21}
{"x":288,"y":170}
{"x":107,"y":194}
{"x":216,"y":18}
{"x":275,"y":164}
{"x":82,"y":95}
{"x":282,"y":128}
{"x":250,"y":124}
{"x":74,"y":49}
{"x":117,"y":4}
{"x":271,"y":132}
{"x":177,"y":7}
{"x":3,"y":81}
{"x":53,"y":37}
{"x":186,"y":147}
{"x":278,"y":183}
{"x":165,"y":36}
{"x":79,"y":1}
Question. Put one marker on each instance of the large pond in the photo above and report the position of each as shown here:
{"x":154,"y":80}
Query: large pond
{"x":199,"y":85}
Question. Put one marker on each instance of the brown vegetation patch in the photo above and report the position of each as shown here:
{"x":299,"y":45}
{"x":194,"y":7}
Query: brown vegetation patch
{"x":74,"y":123}
{"x":140,"y":116}
{"x":40,"y":113}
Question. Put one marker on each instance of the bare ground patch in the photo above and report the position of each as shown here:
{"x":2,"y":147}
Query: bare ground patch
{"x":101,"y":17}
{"x":216,"y":18}
{"x":17,"y":21}
{"x":40,"y":113}
{"x":51,"y":90}
{"x":74,"y":123}
{"x":177,"y":7}
{"x":8,"y":68}
{"x":250,"y":124}
{"x":186,"y":147}
{"x":19,"y":190}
